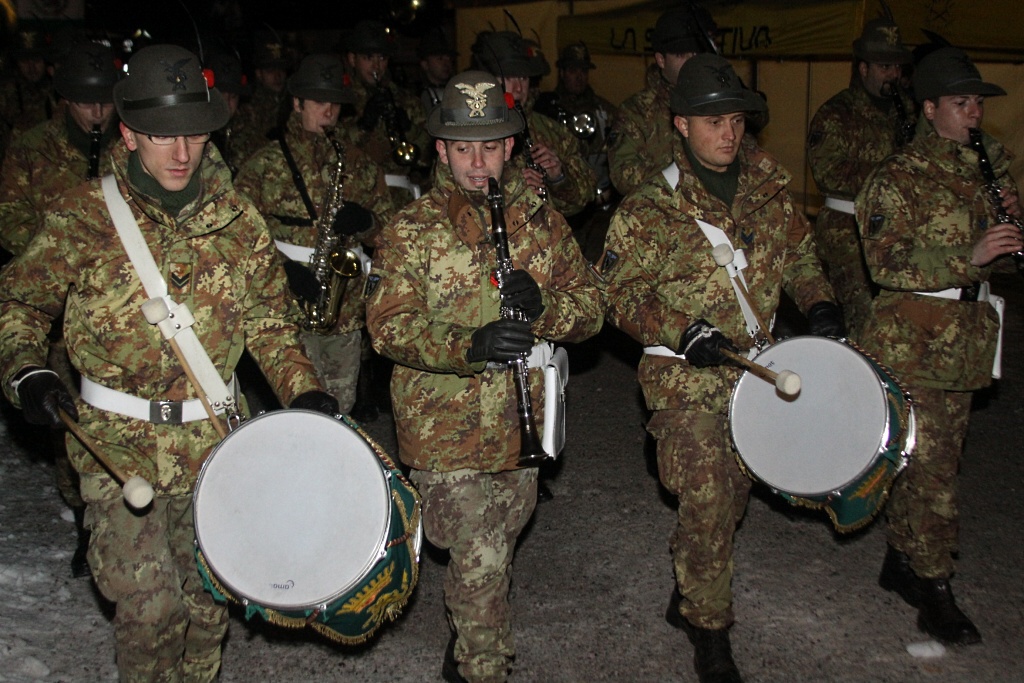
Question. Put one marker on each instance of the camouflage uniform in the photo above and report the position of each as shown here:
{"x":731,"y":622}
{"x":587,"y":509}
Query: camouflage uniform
{"x":254,"y":121}
{"x":920,"y":214}
{"x":41,"y":165}
{"x":603,"y":112}
{"x":23,"y":105}
{"x":457,"y":422}
{"x":267,"y":180}
{"x":217,"y":257}
{"x":849,"y":135}
{"x":643,"y":140}
{"x":664,"y":280}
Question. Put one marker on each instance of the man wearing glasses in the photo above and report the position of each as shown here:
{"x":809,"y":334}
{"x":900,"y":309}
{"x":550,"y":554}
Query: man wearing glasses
{"x":215,"y":256}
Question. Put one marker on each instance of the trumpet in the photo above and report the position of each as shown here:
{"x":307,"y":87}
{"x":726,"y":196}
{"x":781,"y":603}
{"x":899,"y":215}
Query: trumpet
{"x":993,"y":188}
{"x":403,"y":152}
{"x":531,"y":452}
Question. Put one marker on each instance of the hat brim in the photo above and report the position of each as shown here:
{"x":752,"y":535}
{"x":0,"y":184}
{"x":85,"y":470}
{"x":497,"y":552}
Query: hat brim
{"x":969,"y":87}
{"x":561,"y":64}
{"x":86,"y":94}
{"x":324,"y":95}
{"x":883,"y":56}
{"x":193,"y":118}
{"x":481,"y":132}
{"x":717,"y":104}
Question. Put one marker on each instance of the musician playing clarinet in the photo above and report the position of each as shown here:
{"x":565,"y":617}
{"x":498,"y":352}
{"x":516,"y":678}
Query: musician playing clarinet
{"x":666,"y":290}
{"x":849,"y":135}
{"x":931,"y":238}
{"x":435,"y":310}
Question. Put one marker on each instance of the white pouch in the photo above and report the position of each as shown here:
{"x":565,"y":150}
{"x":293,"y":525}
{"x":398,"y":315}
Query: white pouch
{"x":556,"y":376}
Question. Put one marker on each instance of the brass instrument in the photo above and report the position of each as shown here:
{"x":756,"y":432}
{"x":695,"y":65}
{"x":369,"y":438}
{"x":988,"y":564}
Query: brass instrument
{"x":333,"y":264}
{"x":403,"y":152}
{"x":993,"y":188}
{"x":542,"y":192}
{"x":905,"y":123}
{"x":531,"y":452}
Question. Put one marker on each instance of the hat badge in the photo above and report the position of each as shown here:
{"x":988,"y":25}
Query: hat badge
{"x":327,"y":72}
{"x":721,"y":73}
{"x":476,"y":97}
{"x":177,"y":74}
{"x":892,"y":35}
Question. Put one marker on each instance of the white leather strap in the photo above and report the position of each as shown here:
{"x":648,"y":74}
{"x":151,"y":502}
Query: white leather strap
{"x":294,"y":252}
{"x":157,"y":412}
{"x":843,"y":205}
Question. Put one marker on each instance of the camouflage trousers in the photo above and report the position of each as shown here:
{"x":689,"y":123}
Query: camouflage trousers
{"x":167,"y":628}
{"x":922,"y":511}
{"x":67,"y":477}
{"x":838,"y":247}
{"x":477,"y":517}
{"x":336,"y":359}
{"x":696,"y":463}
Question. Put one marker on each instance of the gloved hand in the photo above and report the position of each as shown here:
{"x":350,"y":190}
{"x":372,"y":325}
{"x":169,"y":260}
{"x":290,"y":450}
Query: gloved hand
{"x":826,"y":320}
{"x":376,"y":107}
{"x":43,"y":395}
{"x":351,"y":219}
{"x":501,"y":340}
{"x":701,"y":343}
{"x":402,"y":121}
{"x":301,"y":281}
{"x":520,"y":290}
{"x":320,"y":401}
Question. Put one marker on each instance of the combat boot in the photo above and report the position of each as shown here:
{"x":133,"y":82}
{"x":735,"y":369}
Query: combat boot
{"x":898,"y":577}
{"x":941,"y":618}
{"x":712,"y":656}
{"x":450,"y":667}
{"x":672,"y":615}
{"x":79,"y":564}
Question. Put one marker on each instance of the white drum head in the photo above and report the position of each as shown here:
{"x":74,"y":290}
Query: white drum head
{"x":292,"y":509}
{"x":824,"y":438}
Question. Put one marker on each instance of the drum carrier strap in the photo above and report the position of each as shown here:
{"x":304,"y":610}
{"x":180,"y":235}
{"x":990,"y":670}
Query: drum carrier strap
{"x":178,"y":323}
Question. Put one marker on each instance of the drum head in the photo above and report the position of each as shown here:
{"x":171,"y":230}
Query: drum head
{"x":292,"y":509}
{"x":825,"y":437}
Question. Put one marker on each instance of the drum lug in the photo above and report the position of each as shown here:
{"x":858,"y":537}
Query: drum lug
{"x":835,"y":495}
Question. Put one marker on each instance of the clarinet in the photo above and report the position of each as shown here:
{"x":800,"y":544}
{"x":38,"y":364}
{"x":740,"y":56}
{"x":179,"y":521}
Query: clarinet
{"x":905,"y":126}
{"x":531,"y":452}
{"x":542,"y":192}
{"x":993,"y":188}
{"x":95,"y":136}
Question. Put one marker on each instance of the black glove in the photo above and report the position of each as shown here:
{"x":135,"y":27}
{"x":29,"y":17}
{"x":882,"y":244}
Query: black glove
{"x":402,"y":121}
{"x":302,"y":282}
{"x":376,"y":107}
{"x":352,"y":219}
{"x":826,"y":320}
{"x":501,"y":340}
{"x":320,"y":401}
{"x":701,"y":343}
{"x":520,"y":290}
{"x":43,"y":396}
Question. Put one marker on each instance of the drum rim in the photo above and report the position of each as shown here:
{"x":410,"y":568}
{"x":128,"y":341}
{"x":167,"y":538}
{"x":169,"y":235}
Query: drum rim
{"x":244,"y":594}
{"x":869,"y":464}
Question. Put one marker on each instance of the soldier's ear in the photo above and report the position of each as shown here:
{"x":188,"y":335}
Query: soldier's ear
{"x":682,"y":124}
{"x":128,"y":135}
{"x":928,"y":109}
{"x":442,"y":150}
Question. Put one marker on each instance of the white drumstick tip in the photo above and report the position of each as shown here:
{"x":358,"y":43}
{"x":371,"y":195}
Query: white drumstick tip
{"x":137,"y":492}
{"x":788,"y":382}
{"x":722,"y":253}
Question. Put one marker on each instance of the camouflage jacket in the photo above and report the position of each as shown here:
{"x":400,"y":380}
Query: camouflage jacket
{"x":665,"y":277}
{"x":267,"y":180}
{"x":435,"y":263}
{"x":848,"y":137}
{"x":40,"y":165}
{"x":644,"y":140}
{"x":579,"y":184}
{"x":376,"y":143}
{"x":216,"y":256}
{"x":255,"y":118}
{"x":920,"y":215}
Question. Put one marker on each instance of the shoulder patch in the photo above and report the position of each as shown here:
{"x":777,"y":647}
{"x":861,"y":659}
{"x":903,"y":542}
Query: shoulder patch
{"x":815,"y":138}
{"x":609,"y":261}
{"x":372,"y":281}
{"x":876,"y":223}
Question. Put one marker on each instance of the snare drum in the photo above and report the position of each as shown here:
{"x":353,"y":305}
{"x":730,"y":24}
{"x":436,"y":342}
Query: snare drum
{"x":303,"y":519}
{"x":839,"y":443}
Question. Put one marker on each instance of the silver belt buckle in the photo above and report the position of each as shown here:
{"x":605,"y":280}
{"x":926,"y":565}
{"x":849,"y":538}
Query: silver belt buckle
{"x":165,"y":412}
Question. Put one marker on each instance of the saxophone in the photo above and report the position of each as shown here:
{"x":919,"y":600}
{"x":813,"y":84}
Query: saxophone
{"x":333,"y":263}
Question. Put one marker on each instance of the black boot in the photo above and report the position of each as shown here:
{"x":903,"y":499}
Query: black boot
{"x":543,"y":492}
{"x":712,"y":656}
{"x":941,"y":618}
{"x":898,"y":577}
{"x":79,"y":565}
{"x":450,"y":667}
{"x":672,"y":615}
{"x":365,"y":408}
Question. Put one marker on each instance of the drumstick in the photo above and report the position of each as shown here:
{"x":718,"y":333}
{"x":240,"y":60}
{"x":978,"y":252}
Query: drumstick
{"x":723,"y":256}
{"x":137,"y":492}
{"x":786,"y":381}
{"x":155,"y":311}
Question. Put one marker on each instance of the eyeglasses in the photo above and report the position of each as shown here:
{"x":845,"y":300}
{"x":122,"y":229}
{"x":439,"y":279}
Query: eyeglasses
{"x":164,"y":140}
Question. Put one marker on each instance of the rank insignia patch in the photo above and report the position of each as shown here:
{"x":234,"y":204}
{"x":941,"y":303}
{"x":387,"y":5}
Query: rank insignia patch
{"x":180,"y":277}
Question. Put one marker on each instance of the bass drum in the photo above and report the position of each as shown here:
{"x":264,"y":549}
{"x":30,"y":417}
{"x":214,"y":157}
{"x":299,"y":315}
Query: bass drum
{"x":303,"y":519}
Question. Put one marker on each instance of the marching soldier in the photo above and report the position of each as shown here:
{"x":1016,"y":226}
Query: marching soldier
{"x":931,"y":238}
{"x":26,"y":100}
{"x":437,"y":60}
{"x":213,"y":251}
{"x":849,"y":136}
{"x":233,"y":85}
{"x":290,"y":178}
{"x":259,"y":118}
{"x":553,"y":162}
{"x":666,"y":291}
{"x":436,"y":313}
